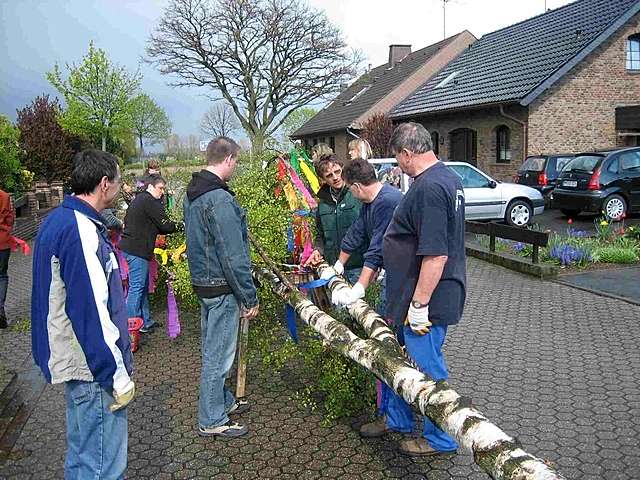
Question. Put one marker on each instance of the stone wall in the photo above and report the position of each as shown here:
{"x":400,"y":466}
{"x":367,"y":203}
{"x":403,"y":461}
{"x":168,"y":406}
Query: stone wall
{"x":485,"y":123}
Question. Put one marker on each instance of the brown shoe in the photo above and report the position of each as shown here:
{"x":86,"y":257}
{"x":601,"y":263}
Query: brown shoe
{"x":418,"y":447}
{"x":377,"y":428}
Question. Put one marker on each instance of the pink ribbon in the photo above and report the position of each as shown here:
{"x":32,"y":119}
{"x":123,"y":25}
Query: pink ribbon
{"x":295,"y":179}
{"x":153,"y":274}
{"x":173,"y":319}
{"x":15,"y":242}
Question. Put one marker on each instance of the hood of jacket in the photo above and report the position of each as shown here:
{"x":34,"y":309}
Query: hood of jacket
{"x":204,"y":181}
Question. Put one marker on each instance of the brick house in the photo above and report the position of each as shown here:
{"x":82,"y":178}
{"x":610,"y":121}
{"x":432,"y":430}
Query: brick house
{"x":565,"y":81}
{"x":378,"y":91}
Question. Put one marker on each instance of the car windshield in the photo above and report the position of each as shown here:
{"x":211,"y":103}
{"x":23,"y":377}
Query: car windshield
{"x":583,"y":163}
{"x":469,"y":177}
{"x":533,"y":164}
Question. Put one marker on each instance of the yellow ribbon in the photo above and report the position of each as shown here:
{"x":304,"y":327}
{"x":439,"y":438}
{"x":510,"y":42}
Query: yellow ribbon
{"x":176,"y":256}
{"x":311,"y":177}
{"x":292,"y":197}
{"x":164,"y":255}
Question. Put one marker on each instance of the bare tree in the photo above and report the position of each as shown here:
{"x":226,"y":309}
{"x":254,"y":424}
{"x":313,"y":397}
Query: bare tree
{"x":266,"y":58}
{"x":219,"y":121}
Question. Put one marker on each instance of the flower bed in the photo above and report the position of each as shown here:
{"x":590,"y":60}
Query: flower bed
{"x":612,"y":243}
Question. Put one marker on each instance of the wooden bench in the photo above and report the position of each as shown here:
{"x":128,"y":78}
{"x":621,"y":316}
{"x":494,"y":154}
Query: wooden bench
{"x":496,"y":230}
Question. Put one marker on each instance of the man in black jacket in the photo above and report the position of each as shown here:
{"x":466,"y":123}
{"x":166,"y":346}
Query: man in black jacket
{"x":146,"y":218}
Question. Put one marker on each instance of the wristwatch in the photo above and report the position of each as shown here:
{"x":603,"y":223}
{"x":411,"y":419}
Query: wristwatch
{"x":417,"y":304}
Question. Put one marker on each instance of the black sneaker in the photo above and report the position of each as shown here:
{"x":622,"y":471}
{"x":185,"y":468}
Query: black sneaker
{"x":3,"y":320}
{"x":227,"y":430}
{"x":240,"y":406}
{"x":149,"y":328}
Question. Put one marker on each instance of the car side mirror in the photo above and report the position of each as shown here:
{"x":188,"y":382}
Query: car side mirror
{"x":493,"y":184}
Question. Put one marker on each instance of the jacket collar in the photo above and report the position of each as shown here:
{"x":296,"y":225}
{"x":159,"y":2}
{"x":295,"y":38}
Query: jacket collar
{"x":324,"y":194}
{"x":74,"y":203}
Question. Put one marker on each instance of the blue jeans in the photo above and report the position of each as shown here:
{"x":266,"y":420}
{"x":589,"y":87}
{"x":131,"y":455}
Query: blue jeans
{"x":138,"y":295}
{"x":426,"y":351}
{"x":220,"y":317}
{"x":4,"y":278}
{"x":96,"y":438}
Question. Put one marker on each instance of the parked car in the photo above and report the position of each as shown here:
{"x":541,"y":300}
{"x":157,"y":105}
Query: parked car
{"x":541,"y":172}
{"x":489,"y":199}
{"x":594,"y":182}
{"x":485,"y":198}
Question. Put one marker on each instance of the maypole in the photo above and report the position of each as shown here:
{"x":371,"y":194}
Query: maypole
{"x":497,"y":453}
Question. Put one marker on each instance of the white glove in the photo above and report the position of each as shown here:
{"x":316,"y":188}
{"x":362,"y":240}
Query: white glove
{"x":381,"y":275}
{"x":338,"y":267}
{"x":347,"y":296}
{"x":327,"y":274}
{"x":418,"y":320}
{"x":122,"y":398}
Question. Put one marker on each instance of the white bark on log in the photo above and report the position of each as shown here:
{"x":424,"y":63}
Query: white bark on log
{"x":494,"y":451}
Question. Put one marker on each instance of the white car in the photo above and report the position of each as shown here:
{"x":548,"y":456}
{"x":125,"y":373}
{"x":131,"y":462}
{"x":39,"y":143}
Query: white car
{"x":485,"y":198}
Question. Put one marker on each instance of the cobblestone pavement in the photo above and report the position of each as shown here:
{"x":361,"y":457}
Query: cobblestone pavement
{"x":557,"y":367}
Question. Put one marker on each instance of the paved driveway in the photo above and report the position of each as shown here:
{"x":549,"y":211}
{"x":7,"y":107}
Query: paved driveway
{"x":555,"y":366}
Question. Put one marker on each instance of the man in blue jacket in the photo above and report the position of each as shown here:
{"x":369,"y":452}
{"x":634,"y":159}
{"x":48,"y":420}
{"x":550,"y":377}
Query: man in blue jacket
{"x":366,"y":233}
{"x":79,"y":320}
{"x":220,"y":267}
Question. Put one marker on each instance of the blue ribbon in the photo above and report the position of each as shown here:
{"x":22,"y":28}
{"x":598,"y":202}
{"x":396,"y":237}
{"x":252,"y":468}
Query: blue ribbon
{"x":290,"y":313}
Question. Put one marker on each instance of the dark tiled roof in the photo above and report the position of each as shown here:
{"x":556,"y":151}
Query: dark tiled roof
{"x":508,"y":65}
{"x":340,"y":113}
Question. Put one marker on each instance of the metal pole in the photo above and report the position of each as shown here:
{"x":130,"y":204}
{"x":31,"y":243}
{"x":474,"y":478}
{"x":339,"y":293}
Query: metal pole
{"x":444,"y":18}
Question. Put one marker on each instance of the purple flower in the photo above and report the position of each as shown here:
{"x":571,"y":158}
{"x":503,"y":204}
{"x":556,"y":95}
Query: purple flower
{"x":566,"y":254}
{"x":518,"y":247}
{"x":572,"y":232}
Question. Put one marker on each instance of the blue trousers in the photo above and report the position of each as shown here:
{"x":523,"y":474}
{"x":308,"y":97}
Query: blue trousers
{"x":220,"y":318}
{"x":96,"y":438}
{"x":426,"y":351}
{"x":138,"y":295}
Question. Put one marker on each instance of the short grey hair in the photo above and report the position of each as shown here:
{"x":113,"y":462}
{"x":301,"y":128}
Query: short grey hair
{"x":412,"y":136}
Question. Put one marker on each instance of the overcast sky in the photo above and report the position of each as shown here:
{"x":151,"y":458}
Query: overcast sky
{"x":35,"y":34}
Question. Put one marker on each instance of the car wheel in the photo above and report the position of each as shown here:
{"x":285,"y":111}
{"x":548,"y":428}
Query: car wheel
{"x":519,"y":213}
{"x":570,"y":213}
{"x":614,"y":207}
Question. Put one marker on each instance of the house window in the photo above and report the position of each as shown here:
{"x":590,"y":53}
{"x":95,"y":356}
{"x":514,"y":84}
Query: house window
{"x":435,"y":140}
{"x":332,"y":143}
{"x":503,"y":144}
{"x":633,"y":52}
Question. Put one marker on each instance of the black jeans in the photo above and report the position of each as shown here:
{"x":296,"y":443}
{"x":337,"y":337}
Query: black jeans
{"x":4,"y":278}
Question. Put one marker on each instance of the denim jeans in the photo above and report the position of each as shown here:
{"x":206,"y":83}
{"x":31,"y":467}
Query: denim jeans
{"x":220,"y":317}
{"x":4,"y":278}
{"x":138,"y":296}
{"x":426,"y":351}
{"x":96,"y":438}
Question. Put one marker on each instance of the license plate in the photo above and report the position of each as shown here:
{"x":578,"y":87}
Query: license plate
{"x":570,"y":183}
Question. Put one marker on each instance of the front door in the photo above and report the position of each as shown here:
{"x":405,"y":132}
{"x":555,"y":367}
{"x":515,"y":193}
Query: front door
{"x":463,"y":146}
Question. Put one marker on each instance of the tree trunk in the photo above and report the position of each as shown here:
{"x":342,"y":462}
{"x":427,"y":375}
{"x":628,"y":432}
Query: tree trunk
{"x":257,"y":145}
{"x":141,"y":153}
{"x":494,"y":451}
{"x":104,"y":143}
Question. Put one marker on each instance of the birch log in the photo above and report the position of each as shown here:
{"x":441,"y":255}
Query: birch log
{"x":494,"y":451}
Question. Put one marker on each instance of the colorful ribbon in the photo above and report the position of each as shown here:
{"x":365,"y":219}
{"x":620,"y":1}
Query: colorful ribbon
{"x":15,"y":242}
{"x":164,"y":255}
{"x":173,"y":317}
{"x":290,"y":313}
{"x":311,"y":177}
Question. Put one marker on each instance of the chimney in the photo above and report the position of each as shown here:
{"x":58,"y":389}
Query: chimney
{"x":397,"y":53}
